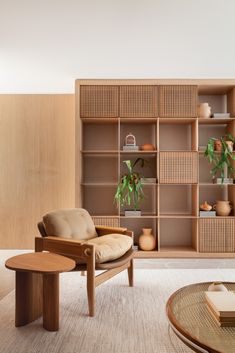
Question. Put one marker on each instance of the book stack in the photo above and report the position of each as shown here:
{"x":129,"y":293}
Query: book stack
{"x":227,"y":181}
{"x":221,"y":116}
{"x":207,"y":214}
{"x":221,"y":306}
{"x":130,"y":148}
{"x":148,"y":180}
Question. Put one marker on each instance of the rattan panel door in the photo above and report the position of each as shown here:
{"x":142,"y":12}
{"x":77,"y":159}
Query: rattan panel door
{"x":138,"y":101}
{"x":177,"y":101}
{"x":99,"y":101}
{"x":178,"y":167}
{"x":106,"y":221}
{"x":217,"y":235}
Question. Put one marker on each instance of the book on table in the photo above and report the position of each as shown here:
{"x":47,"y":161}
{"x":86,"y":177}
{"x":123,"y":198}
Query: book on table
{"x":222,"y":307}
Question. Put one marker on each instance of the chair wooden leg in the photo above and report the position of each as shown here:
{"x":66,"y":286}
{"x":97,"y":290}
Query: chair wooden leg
{"x":131,"y":273}
{"x":91,"y":284}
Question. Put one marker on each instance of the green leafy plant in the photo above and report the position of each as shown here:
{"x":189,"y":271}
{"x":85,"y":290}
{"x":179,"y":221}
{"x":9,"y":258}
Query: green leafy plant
{"x":130,"y":188}
{"x":221,"y":160}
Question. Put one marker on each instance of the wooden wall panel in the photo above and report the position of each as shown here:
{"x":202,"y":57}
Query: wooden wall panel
{"x":37,"y":163}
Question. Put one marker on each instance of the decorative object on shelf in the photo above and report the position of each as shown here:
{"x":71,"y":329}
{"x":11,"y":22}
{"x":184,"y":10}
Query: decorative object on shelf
{"x":218,"y":146}
{"x":217,"y":287}
{"x":147,"y":147}
{"x":132,"y":213}
{"x":222,"y":161}
{"x":130,"y":188}
{"x":222,"y":208}
{"x":204,"y":110}
{"x":205,"y":206}
{"x":147,"y":241}
{"x":148,"y":180}
{"x":130,"y":140}
{"x":225,"y":181}
{"x":230,"y":145}
{"x":207,"y":214}
{"x":221,"y":116}
{"x":130,"y":143}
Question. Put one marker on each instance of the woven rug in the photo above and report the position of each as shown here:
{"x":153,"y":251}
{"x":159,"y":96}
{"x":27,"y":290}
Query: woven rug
{"x":128,"y":320}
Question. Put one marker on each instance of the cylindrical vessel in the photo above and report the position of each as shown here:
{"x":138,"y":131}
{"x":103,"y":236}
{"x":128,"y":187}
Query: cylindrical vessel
{"x":147,"y":240}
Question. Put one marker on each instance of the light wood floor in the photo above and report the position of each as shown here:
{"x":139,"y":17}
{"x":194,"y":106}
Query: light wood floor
{"x":7,"y":277}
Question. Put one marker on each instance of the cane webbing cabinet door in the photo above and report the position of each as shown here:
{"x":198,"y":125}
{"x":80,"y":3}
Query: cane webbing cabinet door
{"x":162,"y":113}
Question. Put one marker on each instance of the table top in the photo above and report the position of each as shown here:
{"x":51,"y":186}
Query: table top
{"x":191,"y":320}
{"x":40,"y":262}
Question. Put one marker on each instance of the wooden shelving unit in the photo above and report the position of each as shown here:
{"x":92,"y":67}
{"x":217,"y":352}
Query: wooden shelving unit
{"x":163,"y":113}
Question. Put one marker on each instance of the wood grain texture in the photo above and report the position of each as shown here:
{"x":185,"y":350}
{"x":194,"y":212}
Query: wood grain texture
{"x":28,"y":297}
{"x":51,"y":302}
{"x":37,"y":154}
{"x":40,"y":262}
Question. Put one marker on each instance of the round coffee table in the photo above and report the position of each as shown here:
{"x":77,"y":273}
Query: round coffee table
{"x":192,"y":323}
{"x":37,"y":287}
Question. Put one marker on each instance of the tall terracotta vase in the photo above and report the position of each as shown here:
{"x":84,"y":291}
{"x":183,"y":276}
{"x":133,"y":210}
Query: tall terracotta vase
{"x":147,"y":240}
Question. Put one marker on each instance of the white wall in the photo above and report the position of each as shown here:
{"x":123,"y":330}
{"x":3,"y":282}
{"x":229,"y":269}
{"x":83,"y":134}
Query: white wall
{"x":46,"y":44}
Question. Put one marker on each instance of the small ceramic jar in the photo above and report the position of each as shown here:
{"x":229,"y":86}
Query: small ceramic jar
{"x":217,"y":287}
{"x":204,"y":110}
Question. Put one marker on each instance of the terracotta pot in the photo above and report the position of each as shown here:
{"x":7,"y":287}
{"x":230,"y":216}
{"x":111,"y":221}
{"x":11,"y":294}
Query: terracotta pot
{"x":205,"y":207}
{"x":218,"y":145}
{"x":204,"y":110}
{"x":147,"y":241}
{"x":230,"y":145}
{"x":223,"y":208}
{"x":147,"y":147}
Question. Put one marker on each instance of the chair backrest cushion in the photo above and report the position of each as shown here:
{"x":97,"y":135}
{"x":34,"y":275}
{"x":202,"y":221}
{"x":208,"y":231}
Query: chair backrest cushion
{"x":72,"y":223}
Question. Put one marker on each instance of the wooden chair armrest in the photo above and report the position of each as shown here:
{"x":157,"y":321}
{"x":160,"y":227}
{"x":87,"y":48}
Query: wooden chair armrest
{"x":103,"y":230}
{"x":75,"y":249}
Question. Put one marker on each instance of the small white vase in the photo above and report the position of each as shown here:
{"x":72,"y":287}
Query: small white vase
{"x":204,"y":110}
{"x":217,"y":287}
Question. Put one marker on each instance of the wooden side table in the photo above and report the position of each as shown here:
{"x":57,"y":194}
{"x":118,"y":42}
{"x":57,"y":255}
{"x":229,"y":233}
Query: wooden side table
{"x":37,"y":287}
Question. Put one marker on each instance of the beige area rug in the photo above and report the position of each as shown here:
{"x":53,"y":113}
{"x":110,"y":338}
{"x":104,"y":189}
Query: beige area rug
{"x":128,"y":320}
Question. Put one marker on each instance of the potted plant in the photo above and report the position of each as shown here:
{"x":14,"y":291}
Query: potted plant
{"x":130,"y":188}
{"x":219,"y":152}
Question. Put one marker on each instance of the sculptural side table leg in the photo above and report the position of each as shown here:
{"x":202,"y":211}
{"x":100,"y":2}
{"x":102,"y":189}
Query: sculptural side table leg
{"x":51,"y":302}
{"x":28,"y":297}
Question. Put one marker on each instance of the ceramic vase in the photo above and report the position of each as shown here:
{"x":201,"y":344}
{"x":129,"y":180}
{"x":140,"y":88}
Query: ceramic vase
{"x":218,"y":146}
{"x":230,"y":145}
{"x":204,"y":110}
{"x":147,"y":241}
{"x":217,"y":287}
{"x":222,"y":208}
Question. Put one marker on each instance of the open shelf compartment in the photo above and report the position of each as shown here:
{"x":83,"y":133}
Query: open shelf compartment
{"x":179,"y":234}
{"x":98,"y":200}
{"x":178,"y":200}
{"x":178,"y":136}
{"x":100,"y":136}
{"x":101,"y":168}
{"x":138,"y":224}
{"x":144,"y":132}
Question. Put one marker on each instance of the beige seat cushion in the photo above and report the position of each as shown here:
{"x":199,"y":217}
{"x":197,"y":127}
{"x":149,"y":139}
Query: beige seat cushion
{"x":110,"y":247}
{"x":72,"y":223}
